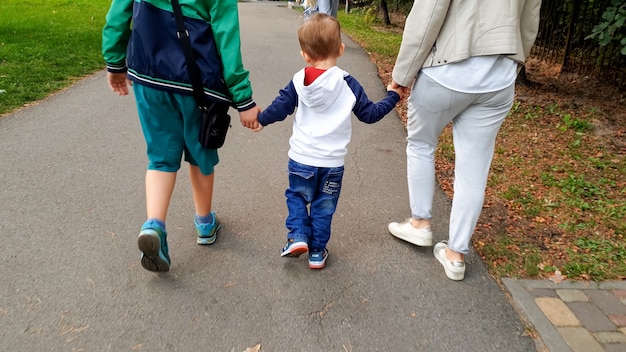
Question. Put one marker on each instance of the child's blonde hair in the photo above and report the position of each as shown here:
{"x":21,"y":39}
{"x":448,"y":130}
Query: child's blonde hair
{"x":320,"y":37}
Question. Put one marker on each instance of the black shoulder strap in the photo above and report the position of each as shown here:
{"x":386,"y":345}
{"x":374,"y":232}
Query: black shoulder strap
{"x":194,"y":71}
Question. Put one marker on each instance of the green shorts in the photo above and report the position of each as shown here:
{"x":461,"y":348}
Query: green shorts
{"x":171,"y":126}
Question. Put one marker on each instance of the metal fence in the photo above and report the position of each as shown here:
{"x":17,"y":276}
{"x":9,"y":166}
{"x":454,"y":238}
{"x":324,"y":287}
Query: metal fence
{"x":561,"y":41}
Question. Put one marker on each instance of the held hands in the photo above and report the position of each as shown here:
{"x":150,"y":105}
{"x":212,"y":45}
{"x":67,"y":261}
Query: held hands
{"x":259,"y":127}
{"x":394,"y":86}
{"x":249,"y":119}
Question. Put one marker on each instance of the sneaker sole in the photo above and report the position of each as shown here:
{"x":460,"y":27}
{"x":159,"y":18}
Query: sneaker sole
{"x":209,"y":240}
{"x":416,"y":241}
{"x":317,"y":265}
{"x":295,"y":251}
{"x":150,"y":247}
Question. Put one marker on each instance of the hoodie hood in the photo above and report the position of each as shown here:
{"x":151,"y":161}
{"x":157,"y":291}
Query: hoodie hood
{"x":323,"y":92}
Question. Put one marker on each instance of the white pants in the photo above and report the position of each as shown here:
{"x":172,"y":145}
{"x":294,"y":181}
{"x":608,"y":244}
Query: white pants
{"x":328,"y":7}
{"x":476,"y":119}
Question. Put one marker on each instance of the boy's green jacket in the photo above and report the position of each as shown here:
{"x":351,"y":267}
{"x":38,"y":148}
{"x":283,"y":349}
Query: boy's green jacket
{"x":140,"y":38}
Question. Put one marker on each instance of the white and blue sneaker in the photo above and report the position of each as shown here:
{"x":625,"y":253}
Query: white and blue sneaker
{"x":294,"y":248}
{"x":317,"y":258}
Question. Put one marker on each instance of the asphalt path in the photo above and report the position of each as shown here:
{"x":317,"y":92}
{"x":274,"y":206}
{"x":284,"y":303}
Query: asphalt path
{"x":71,"y":173}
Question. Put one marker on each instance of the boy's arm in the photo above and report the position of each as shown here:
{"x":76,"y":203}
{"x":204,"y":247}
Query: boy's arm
{"x":284,"y":105}
{"x":116,"y":34}
{"x":225,"y":25}
{"x":366,"y":110}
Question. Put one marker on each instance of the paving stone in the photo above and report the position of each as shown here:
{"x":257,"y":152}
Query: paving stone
{"x":607,"y":302}
{"x":585,"y":315}
{"x":580,"y":340}
{"x":591,"y":317}
{"x":572,"y":295}
{"x":557,"y":312}
{"x":542,"y":292}
{"x":615,"y":347}
{"x":619,"y":320}
{"x":606,"y":337}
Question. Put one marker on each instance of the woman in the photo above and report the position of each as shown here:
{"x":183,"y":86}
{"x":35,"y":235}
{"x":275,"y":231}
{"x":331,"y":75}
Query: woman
{"x":461,"y":59}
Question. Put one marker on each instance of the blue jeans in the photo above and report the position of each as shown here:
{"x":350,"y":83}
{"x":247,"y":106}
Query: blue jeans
{"x":311,"y":200}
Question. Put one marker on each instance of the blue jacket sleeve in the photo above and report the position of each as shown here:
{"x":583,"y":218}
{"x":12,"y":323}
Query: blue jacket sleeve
{"x":366,"y":110}
{"x":284,"y":105}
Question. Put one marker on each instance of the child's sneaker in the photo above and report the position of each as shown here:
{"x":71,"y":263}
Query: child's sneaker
{"x":207,"y":233}
{"x":152,"y":243}
{"x":317,"y":258}
{"x":294,"y":248}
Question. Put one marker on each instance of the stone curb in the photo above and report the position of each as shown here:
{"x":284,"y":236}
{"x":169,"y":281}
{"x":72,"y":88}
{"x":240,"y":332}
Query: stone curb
{"x":552,"y":336}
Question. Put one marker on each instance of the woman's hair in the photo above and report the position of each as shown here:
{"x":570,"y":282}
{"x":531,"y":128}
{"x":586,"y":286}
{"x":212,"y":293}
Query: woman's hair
{"x":320,"y":36}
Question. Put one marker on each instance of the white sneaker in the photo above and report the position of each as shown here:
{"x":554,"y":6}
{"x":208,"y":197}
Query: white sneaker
{"x":455,"y":270}
{"x":406,"y":231}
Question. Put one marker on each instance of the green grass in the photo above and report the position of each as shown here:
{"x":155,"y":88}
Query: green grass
{"x":45,"y":45}
{"x":595,"y":257}
{"x":576,"y":192}
{"x":372,"y":36}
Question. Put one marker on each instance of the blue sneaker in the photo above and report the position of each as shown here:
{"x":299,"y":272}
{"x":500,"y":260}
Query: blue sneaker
{"x":294,"y":248}
{"x":152,"y":243}
{"x":207,"y":233}
{"x":317,"y":258}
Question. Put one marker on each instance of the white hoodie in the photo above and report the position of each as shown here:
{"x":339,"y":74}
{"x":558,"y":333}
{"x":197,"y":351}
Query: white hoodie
{"x":322,"y":127}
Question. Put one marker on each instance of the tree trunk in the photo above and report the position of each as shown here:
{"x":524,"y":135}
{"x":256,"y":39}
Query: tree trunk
{"x":385,"y":12}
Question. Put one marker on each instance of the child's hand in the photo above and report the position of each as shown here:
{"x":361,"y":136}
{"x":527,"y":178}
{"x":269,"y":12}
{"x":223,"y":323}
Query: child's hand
{"x":256,"y":126}
{"x":397,"y":90}
{"x":394,"y":86}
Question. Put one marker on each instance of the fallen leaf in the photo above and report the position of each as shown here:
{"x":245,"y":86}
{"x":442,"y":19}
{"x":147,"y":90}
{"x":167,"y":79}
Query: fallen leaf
{"x":256,"y":348}
{"x":557,"y":278}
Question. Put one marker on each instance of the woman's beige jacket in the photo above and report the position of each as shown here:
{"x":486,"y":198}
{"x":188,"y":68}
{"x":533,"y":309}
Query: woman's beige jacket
{"x":439,"y":32}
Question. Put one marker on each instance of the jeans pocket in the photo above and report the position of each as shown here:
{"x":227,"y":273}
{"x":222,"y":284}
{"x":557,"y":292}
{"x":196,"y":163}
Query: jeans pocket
{"x":332,"y":184}
{"x":300,"y":170}
{"x":428,"y":95}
